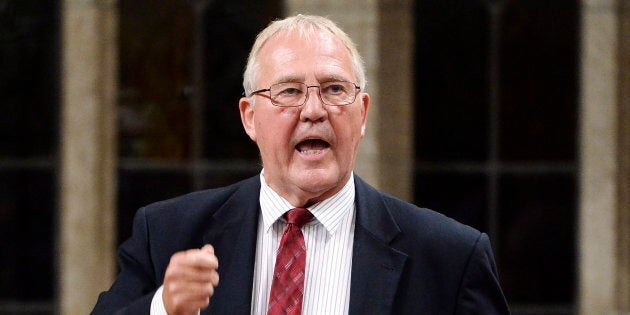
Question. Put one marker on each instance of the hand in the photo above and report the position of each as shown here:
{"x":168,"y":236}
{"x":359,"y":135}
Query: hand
{"x":189,"y":281}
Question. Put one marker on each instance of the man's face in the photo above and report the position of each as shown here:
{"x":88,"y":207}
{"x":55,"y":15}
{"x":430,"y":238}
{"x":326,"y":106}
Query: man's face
{"x":308,"y":152}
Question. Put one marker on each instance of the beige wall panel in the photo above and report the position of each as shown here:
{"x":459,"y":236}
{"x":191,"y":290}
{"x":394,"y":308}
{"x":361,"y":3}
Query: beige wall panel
{"x":87,"y":190}
{"x":603,"y":237}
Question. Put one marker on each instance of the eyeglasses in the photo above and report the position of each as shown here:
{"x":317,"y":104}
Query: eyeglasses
{"x":294,"y":94}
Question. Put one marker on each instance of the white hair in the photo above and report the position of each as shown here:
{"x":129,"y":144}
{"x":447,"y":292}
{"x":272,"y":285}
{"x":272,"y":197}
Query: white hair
{"x":306,"y":25}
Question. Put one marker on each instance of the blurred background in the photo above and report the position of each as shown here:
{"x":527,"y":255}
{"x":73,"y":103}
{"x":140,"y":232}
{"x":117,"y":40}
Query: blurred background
{"x":507,"y":115}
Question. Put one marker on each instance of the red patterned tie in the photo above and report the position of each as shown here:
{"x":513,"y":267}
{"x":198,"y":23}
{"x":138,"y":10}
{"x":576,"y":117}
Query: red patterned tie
{"x":287,"y":288}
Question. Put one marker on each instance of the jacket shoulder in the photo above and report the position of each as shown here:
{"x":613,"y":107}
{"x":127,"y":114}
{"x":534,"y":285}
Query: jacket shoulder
{"x":412,"y":218}
{"x":419,"y":226}
{"x":203,"y":202}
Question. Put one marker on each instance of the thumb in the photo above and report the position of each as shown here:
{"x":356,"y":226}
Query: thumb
{"x":208,"y":249}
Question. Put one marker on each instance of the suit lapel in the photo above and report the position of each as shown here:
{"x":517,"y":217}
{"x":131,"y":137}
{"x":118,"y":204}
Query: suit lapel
{"x":376,"y":266}
{"x":233,"y":235}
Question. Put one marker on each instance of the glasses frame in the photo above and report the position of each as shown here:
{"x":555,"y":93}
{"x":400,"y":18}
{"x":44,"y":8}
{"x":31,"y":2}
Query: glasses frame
{"x":319,"y":94}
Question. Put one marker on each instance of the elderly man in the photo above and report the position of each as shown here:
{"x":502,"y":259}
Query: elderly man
{"x":306,"y":236}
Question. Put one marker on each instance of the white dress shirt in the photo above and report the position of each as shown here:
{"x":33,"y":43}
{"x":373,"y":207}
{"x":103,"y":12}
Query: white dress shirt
{"x":329,"y":238}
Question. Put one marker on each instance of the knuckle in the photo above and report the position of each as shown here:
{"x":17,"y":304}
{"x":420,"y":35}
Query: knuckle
{"x":177,"y":256}
{"x":215,"y":279}
{"x":215,"y":262}
{"x":172,"y":287}
{"x":171,"y":274}
{"x":205,"y":303}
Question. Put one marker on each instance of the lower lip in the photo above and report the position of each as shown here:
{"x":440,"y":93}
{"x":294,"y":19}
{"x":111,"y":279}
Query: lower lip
{"x":313,"y":154}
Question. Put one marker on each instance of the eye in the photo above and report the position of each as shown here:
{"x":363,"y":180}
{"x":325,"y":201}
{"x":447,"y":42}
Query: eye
{"x":290,"y":91}
{"x":287,"y":89}
{"x":334,"y":88}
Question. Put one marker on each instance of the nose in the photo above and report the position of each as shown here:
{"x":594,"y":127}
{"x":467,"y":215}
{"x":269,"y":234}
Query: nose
{"x":313,"y":109}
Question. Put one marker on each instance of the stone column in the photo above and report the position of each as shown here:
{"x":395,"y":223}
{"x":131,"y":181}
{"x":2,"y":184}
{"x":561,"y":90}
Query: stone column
{"x":383,"y":32}
{"x":87,"y":180}
{"x":623,"y":121}
{"x":604,"y":268}
{"x":395,"y":101}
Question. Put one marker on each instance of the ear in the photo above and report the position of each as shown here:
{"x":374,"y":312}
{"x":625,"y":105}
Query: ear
{"x":247,"y":117}
{"x":365,"y":104}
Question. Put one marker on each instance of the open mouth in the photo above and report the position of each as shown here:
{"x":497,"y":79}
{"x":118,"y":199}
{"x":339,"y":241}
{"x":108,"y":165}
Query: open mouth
{"x":312,"y":146}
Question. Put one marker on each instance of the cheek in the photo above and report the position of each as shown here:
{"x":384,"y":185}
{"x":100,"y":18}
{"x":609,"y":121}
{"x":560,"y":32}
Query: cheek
{"x":348,"y":132}
{"x":274,"y":132}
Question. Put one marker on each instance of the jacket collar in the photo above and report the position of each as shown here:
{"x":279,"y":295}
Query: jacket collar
{"x":233,"y":235}
{"x":376,"y":265}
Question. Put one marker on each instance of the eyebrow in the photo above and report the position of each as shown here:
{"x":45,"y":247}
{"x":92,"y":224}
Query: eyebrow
{"x":290,"y":78}
{"x":322,"y":79}
{"x":333,"y":77}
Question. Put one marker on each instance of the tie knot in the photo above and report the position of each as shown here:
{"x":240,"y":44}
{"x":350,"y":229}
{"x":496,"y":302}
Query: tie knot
{"x":298,"y":216}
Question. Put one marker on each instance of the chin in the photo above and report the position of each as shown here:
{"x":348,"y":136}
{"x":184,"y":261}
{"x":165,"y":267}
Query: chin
{"x":317,"y":181}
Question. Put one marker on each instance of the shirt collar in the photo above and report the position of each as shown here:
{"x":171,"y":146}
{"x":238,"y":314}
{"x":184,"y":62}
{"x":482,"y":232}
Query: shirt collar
{"x":329,"y":212}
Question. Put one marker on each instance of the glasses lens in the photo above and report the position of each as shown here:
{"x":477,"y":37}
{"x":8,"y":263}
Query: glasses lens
{"x":288,"y":94}
{"x":338,"y":93}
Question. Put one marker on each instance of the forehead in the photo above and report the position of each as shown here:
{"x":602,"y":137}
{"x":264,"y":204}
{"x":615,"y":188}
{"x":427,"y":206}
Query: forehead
{"x":294,"y":56}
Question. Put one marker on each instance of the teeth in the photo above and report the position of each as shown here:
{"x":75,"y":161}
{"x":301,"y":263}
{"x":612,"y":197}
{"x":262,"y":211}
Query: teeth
{"x":310,"y":151}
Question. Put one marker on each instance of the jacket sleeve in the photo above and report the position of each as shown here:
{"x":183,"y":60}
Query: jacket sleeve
{"x":480,"y":292}
{"x":135,"y":285}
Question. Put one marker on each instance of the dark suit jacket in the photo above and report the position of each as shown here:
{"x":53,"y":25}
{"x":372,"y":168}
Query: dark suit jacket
{"x":406,"y":260}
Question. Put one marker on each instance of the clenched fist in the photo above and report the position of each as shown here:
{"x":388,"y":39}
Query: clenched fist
{"x":189,"y":281}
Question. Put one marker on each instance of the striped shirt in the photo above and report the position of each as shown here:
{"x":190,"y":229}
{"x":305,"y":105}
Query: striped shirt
{"x":328,"y":237}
